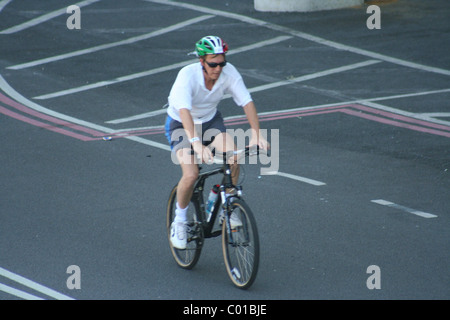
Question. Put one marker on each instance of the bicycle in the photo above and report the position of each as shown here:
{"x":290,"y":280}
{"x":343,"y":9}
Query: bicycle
{"x":240,"y":245}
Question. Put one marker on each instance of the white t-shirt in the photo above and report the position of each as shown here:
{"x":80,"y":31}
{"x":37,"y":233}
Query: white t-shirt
{"x":189,"y":92}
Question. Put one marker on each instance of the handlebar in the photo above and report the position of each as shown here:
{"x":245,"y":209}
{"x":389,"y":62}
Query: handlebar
{"x":246,"y":152}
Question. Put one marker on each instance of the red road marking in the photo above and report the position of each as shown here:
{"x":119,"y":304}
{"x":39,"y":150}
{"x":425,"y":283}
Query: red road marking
{"x":43,"y":125}
{"x":358,"y":110}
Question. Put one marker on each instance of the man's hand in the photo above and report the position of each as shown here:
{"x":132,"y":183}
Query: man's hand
{"x":252,"y":117}
{"x":260,"y":142}
{"x":202,"y":152}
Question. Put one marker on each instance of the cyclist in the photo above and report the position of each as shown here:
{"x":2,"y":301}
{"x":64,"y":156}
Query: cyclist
{"x":192,"y":111}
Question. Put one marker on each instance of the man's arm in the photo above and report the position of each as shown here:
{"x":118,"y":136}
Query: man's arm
{"x":252,"y":117}
{"x":188,"y":123}
{"x":189,"y":128}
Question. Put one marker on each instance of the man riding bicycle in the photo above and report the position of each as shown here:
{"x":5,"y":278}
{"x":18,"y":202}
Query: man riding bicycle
{"x":192,"y":111}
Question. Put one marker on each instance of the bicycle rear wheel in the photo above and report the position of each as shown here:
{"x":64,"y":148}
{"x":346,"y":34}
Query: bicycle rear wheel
{"x":185,"y":258}
{"x":241,"y":246}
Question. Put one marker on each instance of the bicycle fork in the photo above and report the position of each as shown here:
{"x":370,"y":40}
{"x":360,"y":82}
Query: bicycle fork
{"x":226,"y":207}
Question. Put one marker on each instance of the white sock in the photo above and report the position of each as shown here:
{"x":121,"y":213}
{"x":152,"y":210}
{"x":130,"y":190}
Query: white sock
{"x":180,"y":214}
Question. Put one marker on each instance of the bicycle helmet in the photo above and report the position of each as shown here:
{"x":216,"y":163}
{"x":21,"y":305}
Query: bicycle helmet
{"x":210,"y":45}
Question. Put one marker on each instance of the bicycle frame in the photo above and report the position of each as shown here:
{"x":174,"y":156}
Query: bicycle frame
{"x":240,"y":241}
{"x":199,"y":202}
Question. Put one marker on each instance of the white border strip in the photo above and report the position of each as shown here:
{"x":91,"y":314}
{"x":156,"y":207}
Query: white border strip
{"x":295,"y":177}
{"x":313,"y":76}
{"x":406,"y":209}
{"x":18,"y":293}
{"x":138,"y":116}
{"x":4,"y":3}
{"x":33,"y":285}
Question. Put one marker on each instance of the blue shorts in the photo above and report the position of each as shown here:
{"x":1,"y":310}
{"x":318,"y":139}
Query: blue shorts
{"x":176,"y":135}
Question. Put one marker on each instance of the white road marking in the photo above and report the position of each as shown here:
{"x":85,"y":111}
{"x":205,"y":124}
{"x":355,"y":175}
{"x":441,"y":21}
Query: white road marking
{"x":401,"y":112}
{"x":306,"y":36}
{"x":258,"y":45}
{"x":138,"y":116}
{"x":113,"y":81}
{"x":110,"y":45}
{"x":32,"y":105}
{"x":419,"y":116}
{"x":18,"y":293}
{"x":314,"y":75}
{"x":119,"y":131}
{"x":44,"y":18}
{"x":33,"y":285}
{"x":406,"y":209}
{"x":371,"y":102}
{"x":435,"y":114}
{"x":3,"y":4}
{"x":152,"y":71}
{"x":295,"y":177}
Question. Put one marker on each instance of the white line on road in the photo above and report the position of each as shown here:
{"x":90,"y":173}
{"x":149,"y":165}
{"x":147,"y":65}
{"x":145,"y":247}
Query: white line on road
{"x":110,"y":45}
{"x":435,"y":114}
{"x":304,"y":35}
{"x":18,"y":293}
{"x":3,"y":4}
{"x":44,"y":18}
{"x":314,"y":75}
{"x":153,"y":71}
{"x":295,"y":177}
{"x":32,"y":105}
{"x":33,"y":285}
{"x":138,"y":116}
{"x":113,"y":81}
{"x":370,"y":102}
{"x":406,"y":209}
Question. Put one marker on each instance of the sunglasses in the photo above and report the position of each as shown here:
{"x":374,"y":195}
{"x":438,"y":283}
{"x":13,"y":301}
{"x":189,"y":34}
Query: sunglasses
{"x":214,"y":65}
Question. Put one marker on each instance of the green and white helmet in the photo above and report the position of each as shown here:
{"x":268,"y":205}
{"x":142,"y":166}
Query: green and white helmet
{"x":210,"y":45}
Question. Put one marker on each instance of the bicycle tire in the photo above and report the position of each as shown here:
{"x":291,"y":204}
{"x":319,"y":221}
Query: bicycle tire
{"x":241,"y":249}
{"x":185,"y":258}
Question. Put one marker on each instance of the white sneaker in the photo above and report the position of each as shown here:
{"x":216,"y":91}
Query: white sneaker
{"x":178,"y":235}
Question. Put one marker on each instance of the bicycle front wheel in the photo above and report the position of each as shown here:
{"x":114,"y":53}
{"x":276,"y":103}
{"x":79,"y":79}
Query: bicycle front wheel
{"x":185,"y":258}
{"x":240,"y":245}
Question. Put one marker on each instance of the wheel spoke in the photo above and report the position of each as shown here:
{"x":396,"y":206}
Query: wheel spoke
{"x":241,"y":247}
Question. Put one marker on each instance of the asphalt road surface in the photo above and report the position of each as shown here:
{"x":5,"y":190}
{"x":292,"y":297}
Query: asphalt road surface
{"x":358,"y":119}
